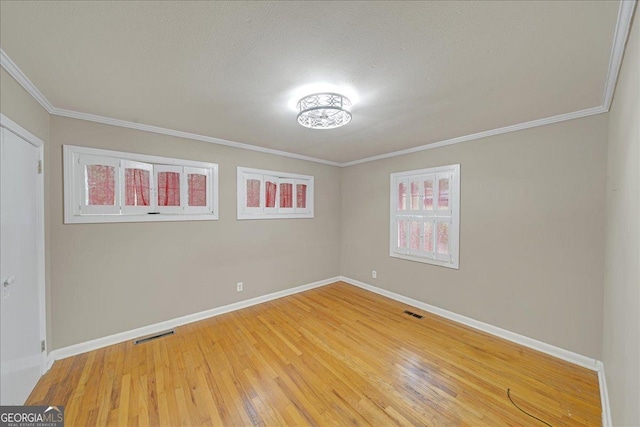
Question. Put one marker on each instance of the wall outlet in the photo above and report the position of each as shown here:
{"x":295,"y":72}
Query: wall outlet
{"x":239,"y":286}
{"x":374,"y":274}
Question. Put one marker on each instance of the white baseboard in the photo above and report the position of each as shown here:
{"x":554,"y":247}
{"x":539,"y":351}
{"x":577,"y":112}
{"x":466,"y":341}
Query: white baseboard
{"x":84,"y":347}
{"x":560,"y":353}
{"x":604,"y":396}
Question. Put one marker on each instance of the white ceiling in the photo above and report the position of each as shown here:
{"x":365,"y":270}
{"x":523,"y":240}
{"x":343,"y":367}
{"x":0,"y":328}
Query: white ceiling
{"x":423,"y":71}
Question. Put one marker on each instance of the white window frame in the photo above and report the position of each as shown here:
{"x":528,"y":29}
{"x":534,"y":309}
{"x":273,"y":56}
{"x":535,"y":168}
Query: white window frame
{"x":450,"y":216}
{"x":77,"y":213}
{"x":244,"y":212}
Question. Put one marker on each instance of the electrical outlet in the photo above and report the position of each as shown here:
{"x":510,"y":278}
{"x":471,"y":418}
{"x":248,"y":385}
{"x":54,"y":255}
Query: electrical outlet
{"x":239,"y":286}
{"x":374,"y":274}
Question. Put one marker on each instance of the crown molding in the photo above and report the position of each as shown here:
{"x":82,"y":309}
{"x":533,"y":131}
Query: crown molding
{"x":623,"y":27}
{"x":484,"y":134}
{"x":24,"y":81}
{"x":181,"y":134}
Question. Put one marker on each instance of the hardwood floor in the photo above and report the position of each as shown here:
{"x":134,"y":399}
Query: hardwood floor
{"x":335,"y":355}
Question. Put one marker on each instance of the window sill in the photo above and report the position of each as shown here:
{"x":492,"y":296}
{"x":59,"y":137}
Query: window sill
{"x":100,"y":219}
{"x":408,"y":257}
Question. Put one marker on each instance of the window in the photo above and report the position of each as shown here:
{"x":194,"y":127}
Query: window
{"x":425,"y":215}
{"x":111,"y":186}
{"x":266,"y":194}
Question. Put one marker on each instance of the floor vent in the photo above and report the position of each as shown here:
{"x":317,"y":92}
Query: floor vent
{"x":154,"y":337}
{"x":411,"y":313}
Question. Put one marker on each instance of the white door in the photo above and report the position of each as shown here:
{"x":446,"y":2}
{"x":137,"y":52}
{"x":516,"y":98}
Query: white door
{"x":20,"y":355}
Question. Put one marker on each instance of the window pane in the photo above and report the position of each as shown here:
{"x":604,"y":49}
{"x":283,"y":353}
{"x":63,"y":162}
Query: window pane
{"x":253,"y":193}
{"x":301,"y":195}
{"x":443,"y":194}
{"x":286,"y":195}
{"x":270,"y":189}
{"x":428,"y":195}
{"x":136,"y":187}
{"x":402,"y":233}
{"x":415,"y":235}
{"x":168,"y":189}
{"x":402,"y":196}
{"x":428,"y":237}
{"x":100,"y":185}
{"x":197,"y":189}
{"x":415,"y":195}
{"x":443,"y":238}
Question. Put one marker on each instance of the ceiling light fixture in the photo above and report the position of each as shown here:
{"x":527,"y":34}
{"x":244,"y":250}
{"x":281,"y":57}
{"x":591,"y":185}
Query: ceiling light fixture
{"x":325,"y":110}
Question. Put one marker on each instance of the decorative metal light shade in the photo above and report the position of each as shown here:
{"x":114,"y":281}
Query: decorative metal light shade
{"x":324,"y":111}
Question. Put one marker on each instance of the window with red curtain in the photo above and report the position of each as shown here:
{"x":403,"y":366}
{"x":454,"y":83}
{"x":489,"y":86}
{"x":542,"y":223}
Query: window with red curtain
{"x":270,"y":194}
{"x":425,"y":215}
{"x":286,"y":195}
{"x":101,"y":185}
{"x":136,"y":187}
{"x":301,"y":195}
{"x":197,"y":189}
{"x":264,"y":194}
{"x":253,"y":193}
{"x":168,"y":189}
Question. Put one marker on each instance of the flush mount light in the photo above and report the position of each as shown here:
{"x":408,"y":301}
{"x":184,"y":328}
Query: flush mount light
{"x":324,"y":110}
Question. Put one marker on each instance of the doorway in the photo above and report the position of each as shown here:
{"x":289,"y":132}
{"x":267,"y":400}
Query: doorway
{"x":22,"y":323}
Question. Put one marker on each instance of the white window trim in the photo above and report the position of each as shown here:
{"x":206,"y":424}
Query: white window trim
{"x":273,"y":213}
{"x":72,"y":215}
{"x":454,"y":205}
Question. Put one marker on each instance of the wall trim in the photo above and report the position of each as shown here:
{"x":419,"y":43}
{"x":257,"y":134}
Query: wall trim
{"x":75,"y":349}
{"x":622,"y":29}
{"x":185,"y":135}
{"x":569,"y":356}
{"x":604,"y":396}
{"x":560,"y":353}
{"x":484,"y":134}
{"x":24,"y":81}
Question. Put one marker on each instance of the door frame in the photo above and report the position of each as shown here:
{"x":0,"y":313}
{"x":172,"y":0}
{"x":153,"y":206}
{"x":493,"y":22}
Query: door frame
{"x":21,"y":132}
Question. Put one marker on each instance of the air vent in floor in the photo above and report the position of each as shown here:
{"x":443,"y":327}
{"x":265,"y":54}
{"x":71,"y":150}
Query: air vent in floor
{"x":411,"y":313}
{"x":154,"y":337}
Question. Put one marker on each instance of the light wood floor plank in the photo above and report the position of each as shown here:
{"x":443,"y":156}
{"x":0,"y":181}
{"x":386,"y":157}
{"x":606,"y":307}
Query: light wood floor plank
{"x":335,"y":355}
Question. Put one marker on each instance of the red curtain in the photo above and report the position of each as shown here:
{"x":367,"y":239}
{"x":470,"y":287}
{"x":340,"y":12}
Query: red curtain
{"x":270,"y":193}
{"x":286,"y":195}
{"x":415,"y":195}
{"x":197,"y":190}
{"x":168,"y":189}
{"x":253,"y":193}
{"x":301,"y":195}
{"x":402,"y":197}
{"x":136,"y":187}
{"x":101,"y":183}
{"x":443,"y":193}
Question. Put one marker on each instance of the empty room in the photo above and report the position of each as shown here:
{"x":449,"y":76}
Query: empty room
{"x":325,"y":213}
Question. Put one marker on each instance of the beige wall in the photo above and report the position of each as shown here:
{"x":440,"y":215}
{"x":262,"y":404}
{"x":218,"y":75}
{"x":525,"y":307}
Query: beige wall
{"x":532,"y":232}
{"x":109,"y":278}
{"x":621,"y":336}
{"x":19,"y":106}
